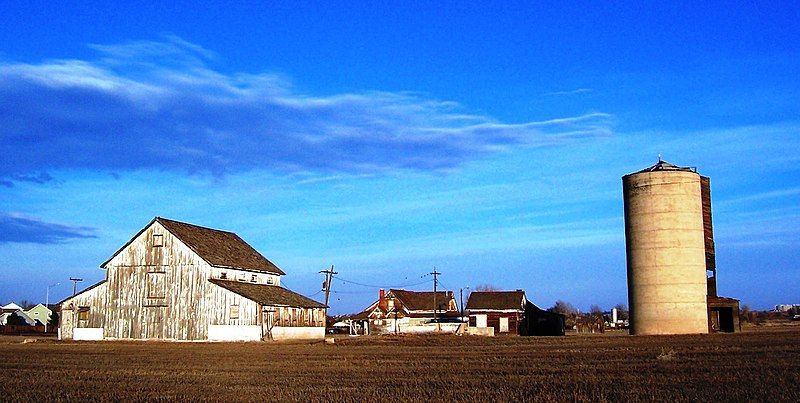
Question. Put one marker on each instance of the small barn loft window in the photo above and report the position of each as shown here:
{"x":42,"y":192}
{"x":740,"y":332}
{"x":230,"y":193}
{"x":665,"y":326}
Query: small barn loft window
{"x":253,"y":278}
{"x":156,"y":285}
{"x":234,"y":312}
{"x":158,"y":240}
{"x":223,"y":275}
{"x":242,"y":277}
{"x":270,"y":281}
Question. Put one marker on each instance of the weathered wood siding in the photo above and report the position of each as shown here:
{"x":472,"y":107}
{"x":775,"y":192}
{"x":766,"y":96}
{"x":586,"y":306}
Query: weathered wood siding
{"x":708,"y":227}
{"x":157,"y":288}
{"x":158,"y":292}
{"x":218,"y":303}
{"x":93,"y":299}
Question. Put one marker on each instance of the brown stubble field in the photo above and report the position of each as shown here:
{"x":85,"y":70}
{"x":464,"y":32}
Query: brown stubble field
{"x":750,"y":366}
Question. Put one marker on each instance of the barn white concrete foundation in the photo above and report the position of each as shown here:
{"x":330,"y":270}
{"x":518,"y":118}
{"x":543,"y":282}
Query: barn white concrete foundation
{"x":88,"y":333}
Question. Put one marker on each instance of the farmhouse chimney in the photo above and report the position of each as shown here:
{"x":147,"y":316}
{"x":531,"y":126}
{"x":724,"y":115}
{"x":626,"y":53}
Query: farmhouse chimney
{"x":382,"y":299}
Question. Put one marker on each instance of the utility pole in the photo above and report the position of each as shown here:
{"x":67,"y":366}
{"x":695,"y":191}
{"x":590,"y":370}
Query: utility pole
{"x":75,"y":284}
{"x":47,"y":304}
{"x":461,"y":292}
{"x":435,"y":308}
{"x":326,"y":286}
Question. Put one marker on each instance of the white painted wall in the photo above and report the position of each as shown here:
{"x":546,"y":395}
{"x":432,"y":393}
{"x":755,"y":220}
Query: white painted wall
{"x":294,"y":333}
{"x":88,"y":333}
{"x":234,"y":333}
{"x":481,"y":331}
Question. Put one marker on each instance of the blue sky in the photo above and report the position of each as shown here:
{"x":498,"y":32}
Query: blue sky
{"x":487,"y":140}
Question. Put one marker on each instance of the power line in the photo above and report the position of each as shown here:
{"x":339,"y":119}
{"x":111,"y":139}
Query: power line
{"x":380,"y":286}
{"x":350,"y":292}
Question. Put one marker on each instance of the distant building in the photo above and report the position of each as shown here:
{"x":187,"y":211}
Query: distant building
{"x":179,"y":281}
{"x":39,"y":313}
{"x":510,"y":312}
{"x":403,"y":311}
{"x":786,"y":307}
{"x":11,"y":308}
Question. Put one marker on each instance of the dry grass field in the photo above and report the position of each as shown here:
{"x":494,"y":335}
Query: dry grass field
{"x":750,"y":366}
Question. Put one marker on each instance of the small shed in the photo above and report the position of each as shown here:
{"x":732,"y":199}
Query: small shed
{"x":502,"y":310}
{"x":510,"y":312}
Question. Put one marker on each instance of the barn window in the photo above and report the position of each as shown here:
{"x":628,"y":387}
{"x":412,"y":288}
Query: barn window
{"x":158,"y":240}
{"x":253,"y":278}
{"x":234,"y":311}
{"x":156,"y":285}
{"x":242,"y":277}
{"x":83,"y":313}
{"x":223,"y":275}
{"x":270,"y":281}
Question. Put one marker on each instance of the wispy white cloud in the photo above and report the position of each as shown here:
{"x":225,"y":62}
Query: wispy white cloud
{"x":161,"y":105}
{"x":19,"y":228}
{"x":571,"y":92}
{"x":772,"y":194}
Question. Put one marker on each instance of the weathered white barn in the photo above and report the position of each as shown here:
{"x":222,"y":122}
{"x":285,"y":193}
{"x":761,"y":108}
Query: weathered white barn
{"x":179,"y":281}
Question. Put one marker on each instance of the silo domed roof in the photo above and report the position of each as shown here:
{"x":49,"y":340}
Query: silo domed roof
{"x":662,"y":165}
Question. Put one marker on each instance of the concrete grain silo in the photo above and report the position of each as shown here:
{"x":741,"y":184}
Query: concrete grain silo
{"x":666,"y":250}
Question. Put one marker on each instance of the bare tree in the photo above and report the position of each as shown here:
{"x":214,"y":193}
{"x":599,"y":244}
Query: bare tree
{"x":595,"y":310}
{"x":564,"y":308}
{"x":622,"y":311}
{"x":486,"y":287}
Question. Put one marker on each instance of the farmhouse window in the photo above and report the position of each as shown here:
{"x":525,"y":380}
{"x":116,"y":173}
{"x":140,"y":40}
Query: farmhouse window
{"x":234,"y":311}
{"x":223,"y":275}
{"x":158,"y":240}
{"x":156,"y":285}
{"x":253,"y":278}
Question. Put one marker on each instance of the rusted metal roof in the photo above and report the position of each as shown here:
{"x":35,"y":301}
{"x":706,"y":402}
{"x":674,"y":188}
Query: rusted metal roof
{"x":662,"y":165}
{"x":422,"y":300}
{"x":268,"y":294}
{"x":496,"y":300}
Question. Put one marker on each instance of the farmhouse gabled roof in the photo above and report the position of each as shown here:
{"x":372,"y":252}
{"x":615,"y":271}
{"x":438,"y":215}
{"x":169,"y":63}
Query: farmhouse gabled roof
{"x":496,"y":300}
{"x":268,"y":294}
{"x":218,"y":248}
{"x":422,"y":300}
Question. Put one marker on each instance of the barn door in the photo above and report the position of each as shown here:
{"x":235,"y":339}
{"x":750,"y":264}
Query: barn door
{"x":267,"y":322}
{"x":503,"y":325}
